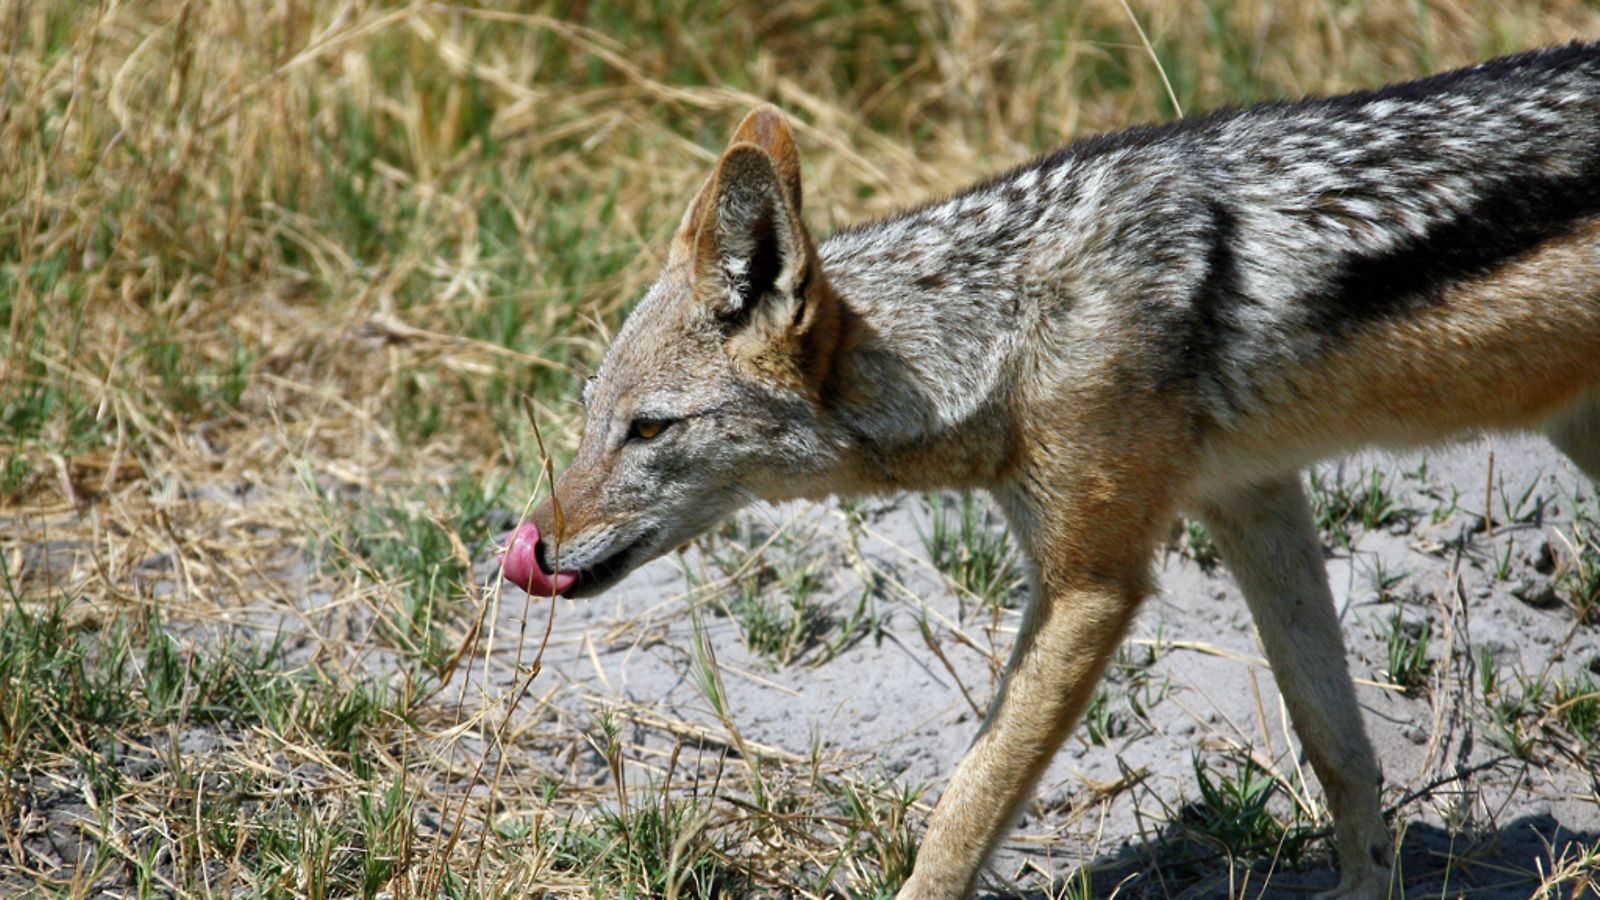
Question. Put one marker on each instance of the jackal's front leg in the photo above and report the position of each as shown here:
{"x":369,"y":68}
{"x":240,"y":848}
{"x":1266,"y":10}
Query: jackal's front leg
{"x":1081,"y":607}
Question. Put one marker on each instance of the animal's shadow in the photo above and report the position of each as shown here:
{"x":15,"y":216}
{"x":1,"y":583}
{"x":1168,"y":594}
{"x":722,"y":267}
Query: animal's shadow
{"x":1512,"y":861}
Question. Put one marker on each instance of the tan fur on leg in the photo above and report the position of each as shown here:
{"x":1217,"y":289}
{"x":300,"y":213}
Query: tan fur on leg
{"x":1089,"y":579}
{"x":1575,"y":431}
{"x":1067,"y":637}
{"x":1268,"y":539}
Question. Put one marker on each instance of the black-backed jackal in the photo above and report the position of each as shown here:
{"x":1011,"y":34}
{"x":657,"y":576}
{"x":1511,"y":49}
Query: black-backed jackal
{"x":1166,"y":319}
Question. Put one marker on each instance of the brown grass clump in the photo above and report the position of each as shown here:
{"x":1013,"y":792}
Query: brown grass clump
{"x":277,"y":280}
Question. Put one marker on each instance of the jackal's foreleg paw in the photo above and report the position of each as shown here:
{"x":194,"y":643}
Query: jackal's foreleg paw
{"x":1363,"y":883}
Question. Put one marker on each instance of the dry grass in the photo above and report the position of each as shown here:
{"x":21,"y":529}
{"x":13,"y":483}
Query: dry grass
{"x":277,"y":279}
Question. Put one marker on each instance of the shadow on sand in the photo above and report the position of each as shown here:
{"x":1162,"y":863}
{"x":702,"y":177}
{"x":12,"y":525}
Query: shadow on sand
{"x":1510,"y":862}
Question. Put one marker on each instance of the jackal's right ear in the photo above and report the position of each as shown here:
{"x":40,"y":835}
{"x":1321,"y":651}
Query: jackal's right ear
{"x":765,"y":128}
{"x":752,"y":265}
{"x":750,"y":251}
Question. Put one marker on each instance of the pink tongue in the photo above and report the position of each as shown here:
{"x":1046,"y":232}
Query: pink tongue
{"x":522,"y":567}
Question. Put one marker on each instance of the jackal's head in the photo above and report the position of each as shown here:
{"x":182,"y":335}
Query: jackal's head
{"x":712,"y":393}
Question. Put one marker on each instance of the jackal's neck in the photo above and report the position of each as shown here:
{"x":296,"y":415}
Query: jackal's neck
{"x":931,"y":318}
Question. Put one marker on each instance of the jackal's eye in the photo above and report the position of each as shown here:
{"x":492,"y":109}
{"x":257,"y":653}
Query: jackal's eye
{"x":646,"y":429}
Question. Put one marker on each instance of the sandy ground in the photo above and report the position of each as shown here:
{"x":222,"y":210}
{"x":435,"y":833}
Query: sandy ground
{"x":890,"y":690}
{"x":1190,"y":689}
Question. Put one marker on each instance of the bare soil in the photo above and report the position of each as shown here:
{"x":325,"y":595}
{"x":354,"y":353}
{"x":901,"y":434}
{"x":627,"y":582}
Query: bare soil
{"x":1475,"y":817}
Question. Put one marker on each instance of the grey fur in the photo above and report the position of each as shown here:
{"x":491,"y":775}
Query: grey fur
{"x":1311,"y":191}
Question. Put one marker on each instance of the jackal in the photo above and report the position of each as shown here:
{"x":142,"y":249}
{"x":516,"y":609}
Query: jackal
{"x":1168,"y":319}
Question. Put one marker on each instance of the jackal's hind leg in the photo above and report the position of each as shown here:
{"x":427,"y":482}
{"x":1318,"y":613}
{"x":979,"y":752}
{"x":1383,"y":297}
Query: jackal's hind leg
{"x":1575,"y":431}
{"x":1267,"y":537}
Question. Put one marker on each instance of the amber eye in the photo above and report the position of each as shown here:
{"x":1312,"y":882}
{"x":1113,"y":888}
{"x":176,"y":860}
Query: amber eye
{"x":645,"y":429}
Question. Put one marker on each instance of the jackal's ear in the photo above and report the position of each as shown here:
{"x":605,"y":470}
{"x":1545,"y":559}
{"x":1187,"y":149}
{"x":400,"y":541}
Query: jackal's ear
{"x":751,"y":262}
{"x":765,"y":127}
{"x":751,"y":252}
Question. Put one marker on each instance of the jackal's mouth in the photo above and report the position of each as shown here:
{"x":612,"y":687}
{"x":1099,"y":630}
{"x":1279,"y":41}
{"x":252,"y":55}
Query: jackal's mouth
{"x":523,"y":565}
{"x":596,"y":578}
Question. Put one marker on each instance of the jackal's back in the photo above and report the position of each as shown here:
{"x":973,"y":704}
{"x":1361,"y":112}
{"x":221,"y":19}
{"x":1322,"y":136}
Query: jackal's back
{"x":1228,"y":259}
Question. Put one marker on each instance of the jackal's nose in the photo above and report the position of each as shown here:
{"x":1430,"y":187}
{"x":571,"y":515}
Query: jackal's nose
{"x":544,"y":557}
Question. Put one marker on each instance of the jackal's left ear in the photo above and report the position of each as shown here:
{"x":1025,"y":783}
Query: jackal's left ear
{"x":765,"y":128}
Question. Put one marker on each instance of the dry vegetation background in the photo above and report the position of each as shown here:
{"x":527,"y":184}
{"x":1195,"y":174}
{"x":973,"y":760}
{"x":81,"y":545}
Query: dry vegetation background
{"x":283,"y":286}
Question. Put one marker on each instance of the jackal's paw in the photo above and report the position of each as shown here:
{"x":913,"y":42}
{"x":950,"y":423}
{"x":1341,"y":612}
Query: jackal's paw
{"x":917,"y":888}
{"x":1369,"y":884}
